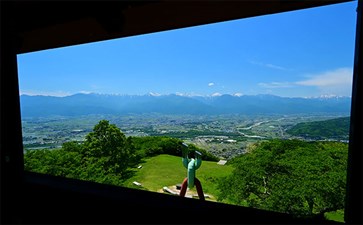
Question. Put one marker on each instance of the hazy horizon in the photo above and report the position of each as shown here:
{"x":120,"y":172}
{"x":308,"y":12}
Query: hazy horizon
{"x":183,"y":95}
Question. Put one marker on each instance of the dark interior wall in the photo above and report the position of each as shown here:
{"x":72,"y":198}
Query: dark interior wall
{"x":11,"y":140}
{"x":85,"y":202}
{"x":49,"y":24}
{"x":33,"y":198}
{"x":353,"y":208}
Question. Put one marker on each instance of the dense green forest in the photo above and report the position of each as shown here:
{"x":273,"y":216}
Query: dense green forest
{"x":337,"y":128}
{"x":292,"y":176}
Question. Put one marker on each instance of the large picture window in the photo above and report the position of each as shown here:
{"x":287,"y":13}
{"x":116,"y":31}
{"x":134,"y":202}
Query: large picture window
{"x":261,"y":105}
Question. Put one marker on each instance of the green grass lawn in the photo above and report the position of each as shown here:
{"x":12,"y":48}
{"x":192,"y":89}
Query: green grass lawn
{"x":167,"y":170}
{"x":335,"y":216}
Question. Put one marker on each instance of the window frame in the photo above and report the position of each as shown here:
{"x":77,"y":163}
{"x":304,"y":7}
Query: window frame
{"x":16,"y":180}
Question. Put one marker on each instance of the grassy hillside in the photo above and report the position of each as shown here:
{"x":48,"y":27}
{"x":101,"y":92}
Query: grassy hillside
{"x":167,"y":170}
{"x":337,"y":128}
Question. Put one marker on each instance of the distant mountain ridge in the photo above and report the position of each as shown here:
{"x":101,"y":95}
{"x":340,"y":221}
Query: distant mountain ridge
{"x":84,"y":104}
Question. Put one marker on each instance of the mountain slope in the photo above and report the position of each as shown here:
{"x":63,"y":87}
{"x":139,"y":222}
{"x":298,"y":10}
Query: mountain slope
{"x":337,"y":128}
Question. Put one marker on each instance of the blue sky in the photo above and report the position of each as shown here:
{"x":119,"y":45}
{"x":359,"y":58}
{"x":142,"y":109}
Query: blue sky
{"x":303,"y":53}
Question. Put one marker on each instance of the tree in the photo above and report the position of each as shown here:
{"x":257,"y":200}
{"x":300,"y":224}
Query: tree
{"x":151,"y":146}
{"x":72,"y":146}
{"x":109,"y":147}
{"x":290,"y":176}
{"x":55,"y":162}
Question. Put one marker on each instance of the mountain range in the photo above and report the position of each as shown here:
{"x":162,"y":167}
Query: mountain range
{"x":84,"y":104}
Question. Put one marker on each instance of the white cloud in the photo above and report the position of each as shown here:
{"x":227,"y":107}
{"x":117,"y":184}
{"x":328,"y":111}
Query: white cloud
{"x":338,"y":77}
{"x":275,"y":66}
{"x":269,"y":65}
{"x":210,"y":84}
{"x":334,"y":82}
{"x":276,"y":85}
